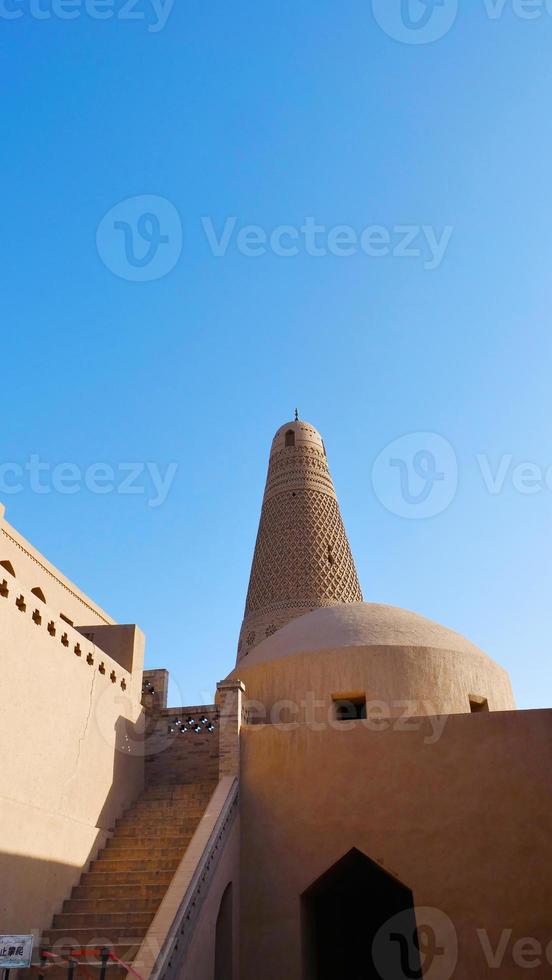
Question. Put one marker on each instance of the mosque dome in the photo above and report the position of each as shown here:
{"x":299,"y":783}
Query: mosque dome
{"x":380,"y":652}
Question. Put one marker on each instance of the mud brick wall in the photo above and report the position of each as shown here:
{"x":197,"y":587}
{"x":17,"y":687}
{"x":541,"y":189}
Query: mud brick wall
{"x":177,"y":756}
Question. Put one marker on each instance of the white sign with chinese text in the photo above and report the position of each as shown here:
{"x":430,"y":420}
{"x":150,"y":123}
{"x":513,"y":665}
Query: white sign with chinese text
{"x":15,"y":952}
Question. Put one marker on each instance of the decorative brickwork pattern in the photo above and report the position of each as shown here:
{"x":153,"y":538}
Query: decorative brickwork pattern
{"x":302,"y":558}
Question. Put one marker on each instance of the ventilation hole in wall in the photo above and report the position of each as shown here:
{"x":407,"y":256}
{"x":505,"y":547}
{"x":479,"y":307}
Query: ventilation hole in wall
{"x":90,"y":659}
{"x":8,"y":566}
{"x":349,"y":707}
{"x":20,"y":603}
{"x":65,"y":640}
{"x":37,"y":618}
{"x":78,"y":650}
{"x":113,"y":677}
{"x":37,"y":591}
{"x":101,"y":668}
{"x":478,"y":703}
{"x":52,"y":628}
{"x":4,"y":591}
{"x":331,"y":558}
{"x":123,"y":684}
{"x":66,"y":619}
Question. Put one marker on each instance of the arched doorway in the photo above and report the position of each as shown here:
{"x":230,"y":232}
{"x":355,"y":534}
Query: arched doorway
{"x":345,"y":910}
{"x":223,"y":937}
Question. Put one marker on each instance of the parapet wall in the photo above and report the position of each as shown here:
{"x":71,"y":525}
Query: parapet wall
{"x":72,"y":759}
{"x":34,"y":571}
{"x":182,"y":745}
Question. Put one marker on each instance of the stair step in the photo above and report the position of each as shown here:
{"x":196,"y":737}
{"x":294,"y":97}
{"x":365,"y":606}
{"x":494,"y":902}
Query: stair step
{"x":157,"y":823}
{"x":168,"y":806}
{"x":147,"y":843}
{"x":145,"y":876}
{"x":105,"y":865}
{"x":176,"y":791}
{"x":123,"y":892}
{"x":101,"y":920}
{"x":117,"y":903}
{"x":126,"y":850}
{"x":137,"y":833}
{"x":98,"y":936}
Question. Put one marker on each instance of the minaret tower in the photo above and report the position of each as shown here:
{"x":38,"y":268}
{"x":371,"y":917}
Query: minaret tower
{"x":302,"y":556}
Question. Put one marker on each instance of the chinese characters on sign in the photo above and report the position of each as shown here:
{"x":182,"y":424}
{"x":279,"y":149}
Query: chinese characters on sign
{"x":15,"y":952}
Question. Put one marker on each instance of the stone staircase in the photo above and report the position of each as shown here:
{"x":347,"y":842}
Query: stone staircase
{"x":117,"y":898}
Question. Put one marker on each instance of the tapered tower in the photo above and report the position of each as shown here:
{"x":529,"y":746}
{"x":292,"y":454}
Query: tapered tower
{"x":302,"y":557}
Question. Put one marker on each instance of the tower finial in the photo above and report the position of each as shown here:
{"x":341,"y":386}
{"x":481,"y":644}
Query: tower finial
{"x":296,"y":414}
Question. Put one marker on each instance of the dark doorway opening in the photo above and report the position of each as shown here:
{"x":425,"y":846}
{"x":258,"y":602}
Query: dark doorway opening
{"x":223,"y":937}
{"x":359,"y":924}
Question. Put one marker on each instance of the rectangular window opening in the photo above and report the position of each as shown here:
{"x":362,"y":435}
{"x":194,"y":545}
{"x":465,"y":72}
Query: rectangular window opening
{"x":349,"y":707}
{"x":478,"y":704}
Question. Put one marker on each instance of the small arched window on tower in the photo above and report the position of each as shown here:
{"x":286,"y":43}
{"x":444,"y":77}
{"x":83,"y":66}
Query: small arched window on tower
{"x":290,"y":438}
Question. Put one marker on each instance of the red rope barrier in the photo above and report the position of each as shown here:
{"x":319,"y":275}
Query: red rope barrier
{"x":90,"y":952}
{"x":67,"y":959}
{"x":113,"y":956}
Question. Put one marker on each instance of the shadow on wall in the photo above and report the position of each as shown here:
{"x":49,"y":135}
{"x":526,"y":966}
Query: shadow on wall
{"x":33,"y":888}
{"x":24,"y":875}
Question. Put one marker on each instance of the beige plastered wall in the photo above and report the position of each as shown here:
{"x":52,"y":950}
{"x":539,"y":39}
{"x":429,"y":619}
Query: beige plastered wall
{"x":71,"y":756}
{"x":464,"y":821}
{"x":200,"y":961}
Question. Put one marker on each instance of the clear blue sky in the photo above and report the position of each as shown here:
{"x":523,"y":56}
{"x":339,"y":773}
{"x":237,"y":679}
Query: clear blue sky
{"x":272,"y":113}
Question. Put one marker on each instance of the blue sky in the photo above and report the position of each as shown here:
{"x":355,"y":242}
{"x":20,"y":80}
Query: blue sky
{"x":273,"y":114}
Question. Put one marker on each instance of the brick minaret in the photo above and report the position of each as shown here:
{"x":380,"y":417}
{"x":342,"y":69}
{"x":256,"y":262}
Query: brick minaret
{"x":302,"y":556}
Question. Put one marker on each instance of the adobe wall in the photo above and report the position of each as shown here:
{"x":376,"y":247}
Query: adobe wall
{"x":200,"y":959}
{"x":72,"y":757}
{"x":463,"y":819}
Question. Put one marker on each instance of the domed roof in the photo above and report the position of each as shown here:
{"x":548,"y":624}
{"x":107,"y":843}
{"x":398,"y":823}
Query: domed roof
{"x":365,"y":624}
{"x":304,"y":434}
